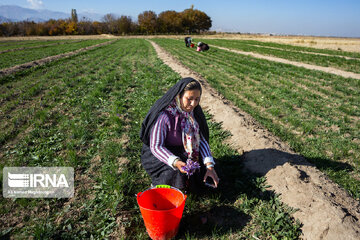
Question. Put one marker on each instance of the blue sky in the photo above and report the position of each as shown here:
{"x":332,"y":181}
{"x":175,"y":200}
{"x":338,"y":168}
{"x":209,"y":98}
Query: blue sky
{"x":307,"y":17}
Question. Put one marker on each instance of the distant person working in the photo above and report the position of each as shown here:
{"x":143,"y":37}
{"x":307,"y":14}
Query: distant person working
{"x":202,"y":47}
{"x":187,"y":41}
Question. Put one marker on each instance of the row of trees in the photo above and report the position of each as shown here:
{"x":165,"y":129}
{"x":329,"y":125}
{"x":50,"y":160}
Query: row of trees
{"x":188,"y":21}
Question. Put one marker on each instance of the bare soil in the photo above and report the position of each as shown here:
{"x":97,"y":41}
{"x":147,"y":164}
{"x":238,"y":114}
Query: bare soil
{"x":325,"y":210}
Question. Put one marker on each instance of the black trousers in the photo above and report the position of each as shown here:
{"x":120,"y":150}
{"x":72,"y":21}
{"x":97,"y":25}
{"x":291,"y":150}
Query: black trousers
{"x":162,"y":173}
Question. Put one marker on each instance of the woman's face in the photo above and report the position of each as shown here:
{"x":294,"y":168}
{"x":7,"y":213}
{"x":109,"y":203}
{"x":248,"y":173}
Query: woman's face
{"x":190,"y":100}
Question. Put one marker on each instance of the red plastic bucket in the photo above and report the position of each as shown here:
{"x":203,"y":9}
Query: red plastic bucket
{"x":161,"y":208}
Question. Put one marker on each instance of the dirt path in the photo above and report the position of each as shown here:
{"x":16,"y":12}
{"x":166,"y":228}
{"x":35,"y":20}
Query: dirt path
{"x":313,"y":53}
{"x":326,"y":211}
{"x":298,"y":64}
{"x":7,"y":71}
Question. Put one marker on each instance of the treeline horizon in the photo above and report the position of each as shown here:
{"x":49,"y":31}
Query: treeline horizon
{"x":188,"y":21}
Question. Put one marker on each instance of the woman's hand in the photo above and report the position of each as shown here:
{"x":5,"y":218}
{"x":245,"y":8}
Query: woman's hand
{"x":179,"y":164}
{"x":210,"y":172}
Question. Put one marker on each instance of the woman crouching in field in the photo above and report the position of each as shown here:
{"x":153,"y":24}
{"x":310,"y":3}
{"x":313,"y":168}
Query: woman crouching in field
{"x":175,"y":139}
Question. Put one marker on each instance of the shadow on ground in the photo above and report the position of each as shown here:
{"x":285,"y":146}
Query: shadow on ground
{"x":213,"y":221}
{"x":217,"y":221}
{"x":263,"y":160}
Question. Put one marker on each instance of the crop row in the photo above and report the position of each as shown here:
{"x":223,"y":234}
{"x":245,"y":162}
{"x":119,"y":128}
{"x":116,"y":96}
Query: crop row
{"x":335,"y":61}
{"x":9,"y":59}
{"x":6,"y":45}
{"x":315,"y":112}
{"x":301,"y":48}
{"x":10,"y":42}
{"x":21,"y":43}
{"x":87,"y":114}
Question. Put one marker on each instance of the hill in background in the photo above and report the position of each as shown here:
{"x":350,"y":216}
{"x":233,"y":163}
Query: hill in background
{"x":13,"y":13}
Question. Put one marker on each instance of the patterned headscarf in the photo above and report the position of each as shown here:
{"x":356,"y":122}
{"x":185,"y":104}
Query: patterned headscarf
{"x":162,"y":103}
{"x":189,"y":127}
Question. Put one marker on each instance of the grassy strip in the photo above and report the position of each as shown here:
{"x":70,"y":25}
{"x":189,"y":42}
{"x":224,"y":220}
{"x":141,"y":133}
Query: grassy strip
{"x":17,"y":42}
{"x":323,"y":129}
{"x":10,"y":59}
{"x":26,"y":44}
{"x":22,"y":43}
{"x":302,"y":49}
{"x":93,"y":127}
{"x":350,"y":65}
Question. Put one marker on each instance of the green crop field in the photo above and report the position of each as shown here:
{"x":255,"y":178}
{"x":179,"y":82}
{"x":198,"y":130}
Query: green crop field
{"x":9,"y":59}
{"x":315,"y":112}
{"x":30,"y":44}
{"x":293,"y":48}
{"x":85,"y":112}
{"x":333,"y":59}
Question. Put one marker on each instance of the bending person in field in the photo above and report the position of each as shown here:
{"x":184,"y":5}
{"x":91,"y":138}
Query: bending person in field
{"x":202,"y":47}
{"x":175,"y":134}
{"x":187,"y":41}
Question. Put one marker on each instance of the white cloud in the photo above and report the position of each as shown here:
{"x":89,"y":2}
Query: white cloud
{"x":35,"y":4}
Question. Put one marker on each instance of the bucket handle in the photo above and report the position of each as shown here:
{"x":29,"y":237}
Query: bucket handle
{"x":162,"y":186}
{"x":157,"y":186}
